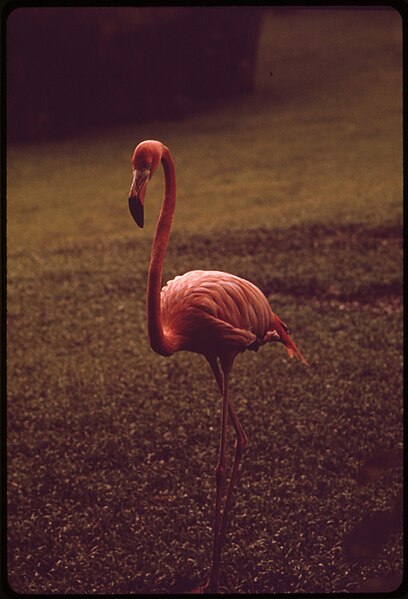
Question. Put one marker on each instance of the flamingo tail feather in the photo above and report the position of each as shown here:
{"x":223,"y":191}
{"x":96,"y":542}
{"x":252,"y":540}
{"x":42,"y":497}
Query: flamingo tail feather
{"x":290,"y":346}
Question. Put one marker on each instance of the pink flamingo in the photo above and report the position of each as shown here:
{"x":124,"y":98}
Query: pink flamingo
{"x":212,"y":313}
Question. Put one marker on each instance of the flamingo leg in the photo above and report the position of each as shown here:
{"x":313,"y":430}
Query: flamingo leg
{"x":234,"y":418}
{"x":240,"y":444}
{"x":220,"y":480}
{"x":241,"y":441}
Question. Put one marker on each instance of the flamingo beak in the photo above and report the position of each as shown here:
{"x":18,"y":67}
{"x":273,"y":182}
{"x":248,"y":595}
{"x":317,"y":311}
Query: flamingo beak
{"x":136,"y":210}
{"x":136,"y":196}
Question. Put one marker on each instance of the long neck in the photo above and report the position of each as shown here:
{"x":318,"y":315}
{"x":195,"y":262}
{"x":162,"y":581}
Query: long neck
{"x":158,"y":340}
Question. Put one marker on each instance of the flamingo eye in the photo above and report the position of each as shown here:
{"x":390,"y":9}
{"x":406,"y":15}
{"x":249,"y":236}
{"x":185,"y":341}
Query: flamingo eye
{"x":148,"y":166}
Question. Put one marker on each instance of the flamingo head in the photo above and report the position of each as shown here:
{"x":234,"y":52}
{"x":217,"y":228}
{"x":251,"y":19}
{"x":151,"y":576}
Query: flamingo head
{"x":145,"y":160}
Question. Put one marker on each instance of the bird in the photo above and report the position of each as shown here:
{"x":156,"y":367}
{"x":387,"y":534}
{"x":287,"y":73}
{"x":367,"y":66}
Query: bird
{"x":209,"y":312}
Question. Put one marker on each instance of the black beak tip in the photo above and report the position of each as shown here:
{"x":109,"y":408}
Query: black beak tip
{"x":136,"y":210}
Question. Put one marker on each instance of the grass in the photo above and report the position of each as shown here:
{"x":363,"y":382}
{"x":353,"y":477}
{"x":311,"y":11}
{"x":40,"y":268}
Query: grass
{"x":112,"y":448}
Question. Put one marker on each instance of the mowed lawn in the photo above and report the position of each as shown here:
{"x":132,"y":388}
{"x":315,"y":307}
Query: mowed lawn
{"x":111,"y":448}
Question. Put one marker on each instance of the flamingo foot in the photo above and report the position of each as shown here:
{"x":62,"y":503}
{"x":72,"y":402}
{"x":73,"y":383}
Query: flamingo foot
{"x":203,"y":588}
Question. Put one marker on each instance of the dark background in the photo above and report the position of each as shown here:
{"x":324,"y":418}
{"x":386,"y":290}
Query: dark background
{"x":71,"y":69}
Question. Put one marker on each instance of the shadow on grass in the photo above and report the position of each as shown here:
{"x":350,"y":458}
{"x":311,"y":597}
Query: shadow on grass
{"x":365,"y":540}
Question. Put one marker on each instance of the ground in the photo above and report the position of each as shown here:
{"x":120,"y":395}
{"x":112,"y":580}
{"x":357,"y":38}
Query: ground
{"x":111,"y":447}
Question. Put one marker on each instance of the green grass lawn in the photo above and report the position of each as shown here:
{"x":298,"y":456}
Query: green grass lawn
{"x":112,"y":447}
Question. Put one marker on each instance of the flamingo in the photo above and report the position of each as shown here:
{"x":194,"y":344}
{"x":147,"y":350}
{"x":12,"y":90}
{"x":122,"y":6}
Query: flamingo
{"x":209,"y":312}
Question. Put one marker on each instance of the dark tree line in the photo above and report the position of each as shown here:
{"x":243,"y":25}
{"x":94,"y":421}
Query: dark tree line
{"x":69,"y":69}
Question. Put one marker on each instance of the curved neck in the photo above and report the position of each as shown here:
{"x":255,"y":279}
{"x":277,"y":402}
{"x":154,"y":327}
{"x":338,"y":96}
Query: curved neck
{"x":158,"y":340}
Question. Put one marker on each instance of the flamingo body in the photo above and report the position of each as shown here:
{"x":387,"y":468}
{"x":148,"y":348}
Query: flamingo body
{"x":216,"y":313}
